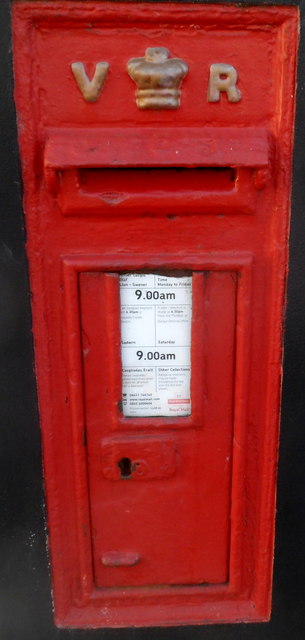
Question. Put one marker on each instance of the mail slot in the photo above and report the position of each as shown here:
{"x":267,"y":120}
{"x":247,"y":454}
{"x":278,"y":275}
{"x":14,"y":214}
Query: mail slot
{"x":156,"y":146}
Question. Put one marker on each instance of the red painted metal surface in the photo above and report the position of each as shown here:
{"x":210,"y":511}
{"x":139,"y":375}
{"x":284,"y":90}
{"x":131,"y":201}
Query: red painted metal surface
{"x":180,"y":527}
{"x":182,"y":532}
{"x":83,"y":192}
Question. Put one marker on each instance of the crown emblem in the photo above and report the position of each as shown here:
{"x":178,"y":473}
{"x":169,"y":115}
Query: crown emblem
{"x":158,"y":78}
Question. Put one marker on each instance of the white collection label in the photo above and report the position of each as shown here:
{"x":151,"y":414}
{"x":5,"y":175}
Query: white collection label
{"x":156,"y":313}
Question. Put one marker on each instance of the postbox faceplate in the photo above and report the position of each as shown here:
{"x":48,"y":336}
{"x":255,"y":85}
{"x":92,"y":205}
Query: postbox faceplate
{"x":156,"y":145}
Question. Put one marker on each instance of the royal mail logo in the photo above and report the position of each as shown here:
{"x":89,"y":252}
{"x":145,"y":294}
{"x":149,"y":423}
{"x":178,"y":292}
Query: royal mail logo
{"x":159,"y":80}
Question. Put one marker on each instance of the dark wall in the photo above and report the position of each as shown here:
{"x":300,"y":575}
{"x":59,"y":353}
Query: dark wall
{"x":25,"y":600}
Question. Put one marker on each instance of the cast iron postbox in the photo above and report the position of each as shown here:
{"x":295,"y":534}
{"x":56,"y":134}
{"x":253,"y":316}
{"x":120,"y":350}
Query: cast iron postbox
{"x":156,"y":151}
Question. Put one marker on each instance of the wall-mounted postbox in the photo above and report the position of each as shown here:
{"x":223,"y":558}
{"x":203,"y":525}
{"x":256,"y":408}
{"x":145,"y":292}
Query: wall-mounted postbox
{"x":156,"y":149}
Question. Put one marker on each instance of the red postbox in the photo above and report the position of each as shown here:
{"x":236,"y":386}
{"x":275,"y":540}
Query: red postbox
{"x":156,"y":152}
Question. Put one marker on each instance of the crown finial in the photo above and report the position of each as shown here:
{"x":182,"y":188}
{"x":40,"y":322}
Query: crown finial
{"x":158,"y":78}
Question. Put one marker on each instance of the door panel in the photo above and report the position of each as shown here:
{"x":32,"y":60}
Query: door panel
{"x":164,"y":520}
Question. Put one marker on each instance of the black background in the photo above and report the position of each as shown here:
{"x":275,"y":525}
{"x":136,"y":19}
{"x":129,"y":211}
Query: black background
{"x":25,"y":591}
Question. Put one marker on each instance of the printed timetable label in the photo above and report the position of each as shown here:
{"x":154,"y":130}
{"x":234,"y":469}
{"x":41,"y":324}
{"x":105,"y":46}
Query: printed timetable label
{"x":156,"y":314}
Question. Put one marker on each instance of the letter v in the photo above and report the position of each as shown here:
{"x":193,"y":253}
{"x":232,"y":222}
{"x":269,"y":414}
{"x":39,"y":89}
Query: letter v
{"x":90,"y":89}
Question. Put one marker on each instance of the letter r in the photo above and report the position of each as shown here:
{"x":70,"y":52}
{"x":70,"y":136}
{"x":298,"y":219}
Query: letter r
{"x":217,"y":83}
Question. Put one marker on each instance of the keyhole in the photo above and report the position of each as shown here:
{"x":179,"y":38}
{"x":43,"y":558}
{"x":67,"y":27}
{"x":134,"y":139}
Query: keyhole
{"x":125,"y":467}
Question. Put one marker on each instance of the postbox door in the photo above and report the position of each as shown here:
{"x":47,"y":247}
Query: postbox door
{"x":160,"y":488}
